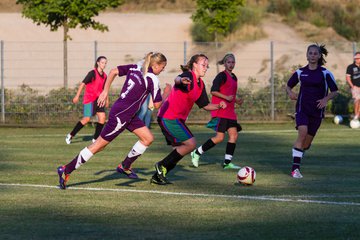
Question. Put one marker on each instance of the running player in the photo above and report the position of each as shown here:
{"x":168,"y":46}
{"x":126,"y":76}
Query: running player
{"x":188,"y":89}
{"x":94,"y":84}
{"x":315,"y":81}
{"x":224,"y":88}
{"x":141,"y":80}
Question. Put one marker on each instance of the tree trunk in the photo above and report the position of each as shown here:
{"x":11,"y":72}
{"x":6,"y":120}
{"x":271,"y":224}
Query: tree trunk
{"x":66,"y":30}
{"x":216,"y":51}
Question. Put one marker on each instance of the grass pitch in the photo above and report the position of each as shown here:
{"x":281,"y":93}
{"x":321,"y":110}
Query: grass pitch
{"x":203,"y":203}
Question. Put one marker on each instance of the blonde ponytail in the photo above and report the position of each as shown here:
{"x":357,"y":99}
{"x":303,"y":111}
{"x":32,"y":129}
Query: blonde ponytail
{"x":146,"y":63}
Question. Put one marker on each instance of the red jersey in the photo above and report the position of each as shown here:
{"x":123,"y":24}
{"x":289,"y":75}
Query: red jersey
{"x":228,"y":87}
{"x":95,"y":87}
{"x":179,"y":103}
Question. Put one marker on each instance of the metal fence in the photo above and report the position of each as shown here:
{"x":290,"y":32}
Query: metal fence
{"x":32,"y":74}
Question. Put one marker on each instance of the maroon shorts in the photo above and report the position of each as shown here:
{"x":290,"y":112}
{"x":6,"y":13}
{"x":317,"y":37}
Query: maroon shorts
{"x":117,"y":125}
{"x":312,"y":123}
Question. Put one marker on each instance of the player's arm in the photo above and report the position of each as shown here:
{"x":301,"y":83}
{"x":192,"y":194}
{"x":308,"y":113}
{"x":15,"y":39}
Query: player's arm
{"x":105,"y":92}
{"x":290,"y":85}
{"x":348,"y":80}
{"x":330,"y":80}
{"x":77,"y":96}
{"x":88,"y":79}
{"x":220,"y":80}
{"x":203,"y":102}
{"x":164,"y":96}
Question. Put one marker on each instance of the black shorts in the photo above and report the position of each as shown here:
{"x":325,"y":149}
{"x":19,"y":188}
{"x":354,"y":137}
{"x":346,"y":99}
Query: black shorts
{"x":223,"y":124}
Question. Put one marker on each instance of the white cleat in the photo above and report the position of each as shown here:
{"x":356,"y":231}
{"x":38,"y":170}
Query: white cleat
{"x":296,"y":174}
{"x":68,"y":139}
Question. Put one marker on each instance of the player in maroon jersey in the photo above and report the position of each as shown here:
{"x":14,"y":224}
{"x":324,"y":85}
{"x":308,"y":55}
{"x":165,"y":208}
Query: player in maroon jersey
{"x":224,"y":88}
{"x":141,"y":80}
{"x":315,"y":82}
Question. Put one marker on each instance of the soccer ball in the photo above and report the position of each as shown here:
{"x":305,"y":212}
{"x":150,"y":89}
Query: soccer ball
{"x":338,"y":119}
{"x":354,"y":123}
{"x":246,"y":175}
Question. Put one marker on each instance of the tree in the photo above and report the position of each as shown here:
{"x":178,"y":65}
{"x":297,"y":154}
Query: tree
{"x":67,"y":14}
{"x":217,"y":16}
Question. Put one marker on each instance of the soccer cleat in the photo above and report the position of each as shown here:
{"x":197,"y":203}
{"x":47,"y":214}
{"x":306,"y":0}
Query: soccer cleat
{"x":161,"y":173}
{"x":156,"y":180}
{"x":195,"y":158}
{"x":68,"y":138}
{"x":296,"y":174}
{"x":62,"y":181}
{"x":127,"y":171}
{"x":93,"y":140}
{"x":230,"y":166}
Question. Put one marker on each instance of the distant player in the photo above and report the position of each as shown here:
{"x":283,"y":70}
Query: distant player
{"x":353,"y":79}
{"x":141,"y":80}
{"x":313,"y":96}
{"x":224,"y":88}
{"x":94,"y":84}
{"x":188,"y":89}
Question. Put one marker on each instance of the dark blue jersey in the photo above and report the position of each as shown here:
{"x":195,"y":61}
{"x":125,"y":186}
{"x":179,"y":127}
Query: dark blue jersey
{"x":314,"y":85}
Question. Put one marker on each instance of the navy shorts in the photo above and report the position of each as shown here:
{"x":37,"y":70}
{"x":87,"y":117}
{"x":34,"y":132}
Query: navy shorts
{"x":312,"y":123}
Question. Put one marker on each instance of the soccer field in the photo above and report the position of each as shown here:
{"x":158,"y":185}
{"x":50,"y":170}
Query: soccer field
{"x":202,"y":203}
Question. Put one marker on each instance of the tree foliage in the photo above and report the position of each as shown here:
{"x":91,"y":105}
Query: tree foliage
{"x":217,"y":15}
{"x":69,"y":13}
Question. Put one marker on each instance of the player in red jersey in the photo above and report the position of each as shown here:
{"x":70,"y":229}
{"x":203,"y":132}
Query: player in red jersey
{"x":188,"y":89}
{"x":94,"y":84}
{"x":224,"y":88}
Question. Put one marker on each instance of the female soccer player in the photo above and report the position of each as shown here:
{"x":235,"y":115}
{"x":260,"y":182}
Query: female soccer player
{"x":315,"y":81}
{"x":141,"y":80}
{"x":188,"y":89}
{"x":224,"y":88}
{"x":94,"y":84}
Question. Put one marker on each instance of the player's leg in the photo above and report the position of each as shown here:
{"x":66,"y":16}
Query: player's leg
{"x":180,"y":136}
{"x":145,"y":139}
{"x":210,"y":143}
{"x":99,"y":125}
{"x":230,"y":149}
{"x":88,"y":112}
{"x":84,"y":156}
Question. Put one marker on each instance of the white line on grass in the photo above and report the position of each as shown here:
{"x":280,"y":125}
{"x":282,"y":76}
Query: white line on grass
{"x":257,"y":198}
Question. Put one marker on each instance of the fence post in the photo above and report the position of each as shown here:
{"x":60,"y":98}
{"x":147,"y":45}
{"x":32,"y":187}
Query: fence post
{"x":272,"y":80}
{"x":185,"y":50}
{"x":95,"y":50}
{"x":2,"y":82}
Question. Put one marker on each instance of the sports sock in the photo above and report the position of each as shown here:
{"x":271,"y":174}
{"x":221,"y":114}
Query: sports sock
{"x":206,"y":146}
{"x":230,"y":149}
{"x":170,"y":161}
{"x":135,"y":152}
{"x":80,"y":159}
{"x":76,"y":129}
{"x":99,"y":127}
{"x":297,"y":155}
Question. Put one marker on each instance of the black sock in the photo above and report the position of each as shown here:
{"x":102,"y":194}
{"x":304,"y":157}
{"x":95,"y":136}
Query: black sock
{"x":230,"y":149}
{"x":99,"y":127}
{"x":76,"y":129}
{"x":170,"y":161}
{"x":206,"y":146}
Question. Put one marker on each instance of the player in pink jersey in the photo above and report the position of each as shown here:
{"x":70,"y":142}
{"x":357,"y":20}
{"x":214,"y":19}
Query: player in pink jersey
{"x":141,"y":80}
{"x":94,"y":84}
{"x":224,"y":88}
{"x":188,"y":89}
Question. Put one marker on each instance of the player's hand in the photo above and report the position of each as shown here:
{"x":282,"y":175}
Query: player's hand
{"x":239,"y":101}
{"x":321,"y":103}
{"x":292,"y":95}
{"x":186,"y":80}
{"x":102,"y":99}
{"x":75,"y":100}
{"x":222,"y":105}
{"x":229,"y":98}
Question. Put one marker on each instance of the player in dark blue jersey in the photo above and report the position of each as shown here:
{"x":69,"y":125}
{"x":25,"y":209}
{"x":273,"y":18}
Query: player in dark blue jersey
{"x":315,"y":82}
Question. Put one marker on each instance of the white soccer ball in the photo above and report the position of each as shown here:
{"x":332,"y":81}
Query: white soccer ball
{"x":246,"y":175}
{"x":338,"y":119}
{"x":354,"y":123}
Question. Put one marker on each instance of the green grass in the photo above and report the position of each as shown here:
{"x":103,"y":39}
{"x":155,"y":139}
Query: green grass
{"x":101,"y":204}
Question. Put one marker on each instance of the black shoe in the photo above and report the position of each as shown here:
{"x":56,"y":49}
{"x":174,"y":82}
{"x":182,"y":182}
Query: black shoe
{"x":161,"y":173}
{"x":156,"y":180}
